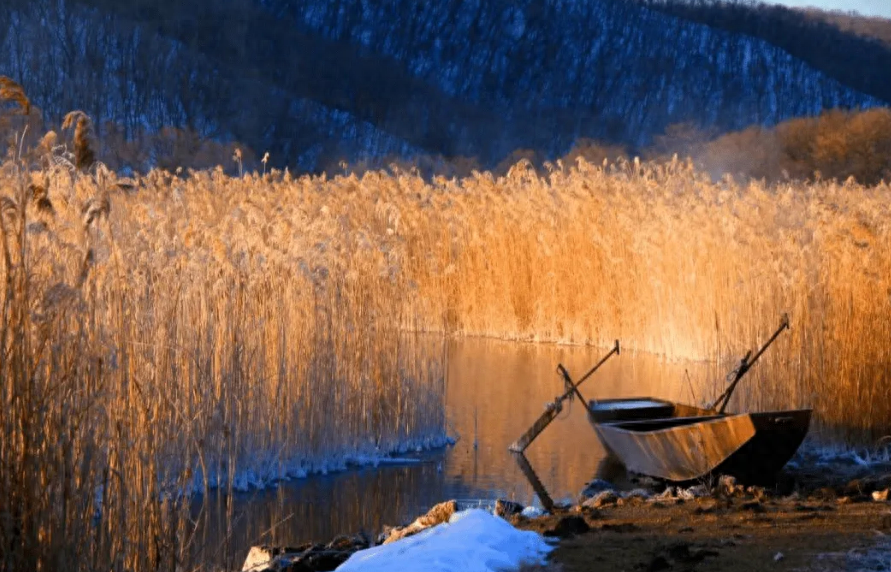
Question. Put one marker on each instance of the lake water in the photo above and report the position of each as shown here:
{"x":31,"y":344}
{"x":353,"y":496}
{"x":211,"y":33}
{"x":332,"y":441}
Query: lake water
{"x":495,"y":390}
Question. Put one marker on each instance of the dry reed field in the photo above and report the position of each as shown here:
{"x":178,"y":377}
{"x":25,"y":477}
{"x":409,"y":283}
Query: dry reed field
{"x":179,"y":332}
{"x":173,"y":335}
{"x":671,"y":263}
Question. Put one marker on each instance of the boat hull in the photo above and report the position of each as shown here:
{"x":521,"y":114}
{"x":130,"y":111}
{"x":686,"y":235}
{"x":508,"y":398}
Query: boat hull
{"x":750,"y":446}
{"x":778,"y":435}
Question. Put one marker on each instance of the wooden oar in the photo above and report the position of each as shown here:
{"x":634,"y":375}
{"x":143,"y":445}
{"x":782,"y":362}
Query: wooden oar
{"x":554,"y":409}
{"x":546,"y":501}
{"x":745,"y":365}
{"x":569,"y":384}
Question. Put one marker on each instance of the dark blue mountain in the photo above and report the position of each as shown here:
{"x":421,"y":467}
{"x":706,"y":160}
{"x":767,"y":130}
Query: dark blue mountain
{"x":318,"y":81}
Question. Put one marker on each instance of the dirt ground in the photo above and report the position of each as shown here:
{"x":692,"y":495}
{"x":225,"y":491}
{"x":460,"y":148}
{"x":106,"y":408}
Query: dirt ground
{"x":823,"y":521}
{"x":733,"y":535}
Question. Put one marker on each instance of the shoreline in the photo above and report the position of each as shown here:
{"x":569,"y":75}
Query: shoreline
{"x":251,"y":480}
{"x":822,"y":511}
{"x":724,"y":534}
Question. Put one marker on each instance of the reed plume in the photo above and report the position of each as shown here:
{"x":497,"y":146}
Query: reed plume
{"x":84,"y":156}
{"x":11,"y":91}
{"x":40,"y":198}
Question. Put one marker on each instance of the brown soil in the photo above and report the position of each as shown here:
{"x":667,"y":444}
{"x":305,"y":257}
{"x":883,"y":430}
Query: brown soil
{"x":729,"y":534}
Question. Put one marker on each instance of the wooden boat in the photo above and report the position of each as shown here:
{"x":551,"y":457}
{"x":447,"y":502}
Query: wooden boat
{"x":679,"y":442}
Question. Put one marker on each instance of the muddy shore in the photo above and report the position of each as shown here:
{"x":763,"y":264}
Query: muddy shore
{"x":825,"y":516}
{"x":725,"y":534}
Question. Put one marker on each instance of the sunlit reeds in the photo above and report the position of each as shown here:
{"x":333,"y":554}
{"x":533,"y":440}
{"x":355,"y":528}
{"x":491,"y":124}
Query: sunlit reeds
{"x":181,"y":331}
{"x":167,"y":335}
{"x":669,"y":262}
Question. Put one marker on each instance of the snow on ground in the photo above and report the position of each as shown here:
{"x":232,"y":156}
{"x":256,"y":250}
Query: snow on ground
{"x":877,"y":559}
{"x":263,"y":470}
{"x":472,"y":541}
{"x":838,"y":457}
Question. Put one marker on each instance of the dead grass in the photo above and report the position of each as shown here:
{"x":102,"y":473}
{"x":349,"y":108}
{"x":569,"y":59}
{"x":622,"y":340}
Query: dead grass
{"x":168,"y":335}
{"x":670,"y":263}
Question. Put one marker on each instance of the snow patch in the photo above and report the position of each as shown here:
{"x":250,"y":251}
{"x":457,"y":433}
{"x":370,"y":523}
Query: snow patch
{"x":877,"y":557}
{"x":876,"y":457}
{"x":473,"y":541}
{"x":532,"y":512}
{"x":266,"y":469}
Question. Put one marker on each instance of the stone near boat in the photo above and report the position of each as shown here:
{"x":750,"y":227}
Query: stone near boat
{"x":669,"y":495}
{"x":261,"y":558}
{"x":596,"y":487}
{"x":757,"y":492}
{"x":602,"y":499}
{"x":693,"y":492}
{"x":728,"y":487}
{"x":322,"y":561}
{"x":532,"y":512}
{"x":866,"y":485}
{"x":506,"y":509}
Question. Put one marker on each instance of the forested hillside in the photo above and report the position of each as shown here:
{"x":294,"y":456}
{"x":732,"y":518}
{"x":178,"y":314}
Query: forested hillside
{"x":846,"y":48}
{"x":869,"y":27}
{"x":315,"y":82}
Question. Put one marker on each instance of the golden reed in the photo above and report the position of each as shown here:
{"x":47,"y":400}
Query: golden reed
{"x":181,"y":331}
{"x":168,"y":335}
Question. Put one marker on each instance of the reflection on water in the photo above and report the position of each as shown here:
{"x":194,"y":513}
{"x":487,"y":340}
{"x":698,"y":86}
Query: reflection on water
{"x":495,"y":391}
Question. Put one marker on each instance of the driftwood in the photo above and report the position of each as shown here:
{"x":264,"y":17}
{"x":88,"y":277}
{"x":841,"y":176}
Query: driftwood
{"x":322,"y":557}
{"x":305,"y":558}
{"x":437,"y":515}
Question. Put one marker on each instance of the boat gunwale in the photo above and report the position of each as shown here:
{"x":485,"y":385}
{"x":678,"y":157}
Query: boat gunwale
{"x":680,"y":422}
{"x":696,"y":420}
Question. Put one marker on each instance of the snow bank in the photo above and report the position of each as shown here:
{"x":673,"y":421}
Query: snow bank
{"x":262,"y":470}
{"x":472,"y":541}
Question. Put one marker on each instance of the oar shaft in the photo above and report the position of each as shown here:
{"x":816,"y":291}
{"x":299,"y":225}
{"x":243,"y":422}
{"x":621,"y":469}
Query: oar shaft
{"x":616,"y":350}
{"x":573,"y":386}
{"x":783,"y":325}
{"x":546,"y":501}
{"x":745,"y":365}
